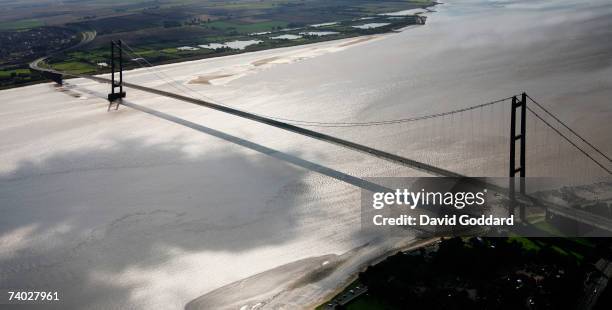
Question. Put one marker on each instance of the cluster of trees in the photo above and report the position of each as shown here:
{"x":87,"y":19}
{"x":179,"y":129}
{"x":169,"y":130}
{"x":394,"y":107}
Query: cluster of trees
{"x":23,"y":46}
{"x":479,"y":273}
{"x":18,"y":78}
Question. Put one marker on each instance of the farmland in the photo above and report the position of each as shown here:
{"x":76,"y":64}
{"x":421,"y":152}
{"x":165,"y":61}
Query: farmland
{"x":171,"y":31}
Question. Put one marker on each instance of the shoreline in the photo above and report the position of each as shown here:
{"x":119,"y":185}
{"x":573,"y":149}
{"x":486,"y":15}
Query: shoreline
{"x":348,"y":276}
{"x":417,"y":244}
{"x":362,"y":39}
{"x":306,"y":283}
{"x":285,"y":45}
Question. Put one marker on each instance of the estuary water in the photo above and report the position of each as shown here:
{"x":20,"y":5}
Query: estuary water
{"x":161,"y":203}
{"x":469,"y":52}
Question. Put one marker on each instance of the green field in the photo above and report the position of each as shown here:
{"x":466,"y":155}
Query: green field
{"x":8,"y":73}
{"x":20,"y":24}
{"x":246,"y":28}
{"x":75,"y":67}
{"x":157,"y":29}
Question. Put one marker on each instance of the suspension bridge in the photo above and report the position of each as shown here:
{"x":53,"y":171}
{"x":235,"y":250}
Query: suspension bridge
{"x":478,"y":140}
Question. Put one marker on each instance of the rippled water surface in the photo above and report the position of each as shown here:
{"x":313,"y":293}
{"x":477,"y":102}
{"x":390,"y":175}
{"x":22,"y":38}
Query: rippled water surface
{"x":156,"y":204}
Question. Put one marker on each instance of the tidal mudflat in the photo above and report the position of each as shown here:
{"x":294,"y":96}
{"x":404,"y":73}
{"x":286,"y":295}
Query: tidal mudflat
{"x":159,"y":203}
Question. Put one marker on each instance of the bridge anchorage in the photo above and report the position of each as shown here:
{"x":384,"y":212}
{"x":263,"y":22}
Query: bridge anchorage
{"x":116,"y":57}
{"x":53,"y":76}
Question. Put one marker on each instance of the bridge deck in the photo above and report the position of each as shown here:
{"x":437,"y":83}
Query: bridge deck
{"x":578,"y":215}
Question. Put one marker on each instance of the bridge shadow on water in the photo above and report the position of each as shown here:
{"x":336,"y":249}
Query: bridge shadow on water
{"x":80,"y":216}
{"x":309,"y":165}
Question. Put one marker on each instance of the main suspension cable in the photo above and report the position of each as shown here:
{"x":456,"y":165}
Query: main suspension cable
{"x":324,"y":124}
{"x":570,"y":141}
{"x":570,"y":129}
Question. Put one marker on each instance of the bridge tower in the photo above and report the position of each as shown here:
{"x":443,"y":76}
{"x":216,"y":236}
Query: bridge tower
{"x":521,"y":137}
{"x":116,"y":57}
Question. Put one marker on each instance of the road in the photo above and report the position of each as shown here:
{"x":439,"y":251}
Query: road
{"x":86,"y":37}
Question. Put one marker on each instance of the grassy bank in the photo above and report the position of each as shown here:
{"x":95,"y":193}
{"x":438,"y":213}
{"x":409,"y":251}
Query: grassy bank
{"x":173,"y":33}
{"x":511,"y":272}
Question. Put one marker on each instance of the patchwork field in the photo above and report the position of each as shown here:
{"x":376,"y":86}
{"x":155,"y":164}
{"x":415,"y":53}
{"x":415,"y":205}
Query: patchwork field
{"x":172,"y":30}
